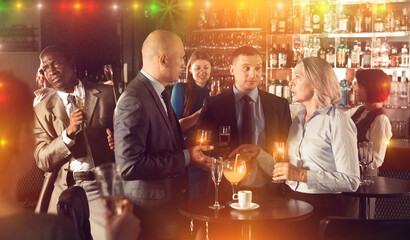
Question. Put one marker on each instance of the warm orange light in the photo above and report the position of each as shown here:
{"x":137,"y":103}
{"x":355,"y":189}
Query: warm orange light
{"x":77,"y":6}
{"x":3,"y":142}
{"x":135,"y":5}
{"x":242,"y":4}
{"x":115,"y":6}
{"x":189,"y":3}
{"x":207,"y":4}
{"x":19,"y":5}
{"x":39,"y":6}
{"x":280,"y":5}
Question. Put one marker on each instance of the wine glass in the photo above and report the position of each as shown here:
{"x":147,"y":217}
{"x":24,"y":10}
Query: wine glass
{"x":79,"y":96}
{"x":108,"y":74}
{"x":278,"y":156}
{"x":224,"y":134}
{"x":234,"y":170}
{"x":365,"y":159}
{"x":216,"y":173}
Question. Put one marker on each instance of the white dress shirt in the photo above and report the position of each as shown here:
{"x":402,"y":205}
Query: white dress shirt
{"x":79,"y":164}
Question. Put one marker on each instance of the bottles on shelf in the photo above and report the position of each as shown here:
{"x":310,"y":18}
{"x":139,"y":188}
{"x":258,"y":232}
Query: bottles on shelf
{"x":281,"y":88}
{"x":399,"y":91}
{"x":228,"y":18}
{"x":338,"y":18}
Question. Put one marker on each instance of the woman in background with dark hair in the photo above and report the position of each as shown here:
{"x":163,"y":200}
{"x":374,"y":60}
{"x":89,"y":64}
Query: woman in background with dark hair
{"x":373,"y":88}
{"x":187,"y":100}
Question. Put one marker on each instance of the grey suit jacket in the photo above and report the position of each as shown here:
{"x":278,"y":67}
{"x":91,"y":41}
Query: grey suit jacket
{"x":51,"y":153}
{"x":150,"y":156}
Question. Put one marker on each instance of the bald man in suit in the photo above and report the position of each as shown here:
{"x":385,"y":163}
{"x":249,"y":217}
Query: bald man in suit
{"x":148,"y":139}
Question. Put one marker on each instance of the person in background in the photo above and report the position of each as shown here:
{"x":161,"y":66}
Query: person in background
{"x":71,"y":140}
{"x":149,"y":147}
{"x":321,"y":147}
{"x":16,"y":159}
{"x":187,"y":101}
{"x":372,"y":89}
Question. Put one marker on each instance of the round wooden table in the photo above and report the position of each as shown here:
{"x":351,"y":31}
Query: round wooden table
{"x":271,"y":209}
{"x":382,"y":187}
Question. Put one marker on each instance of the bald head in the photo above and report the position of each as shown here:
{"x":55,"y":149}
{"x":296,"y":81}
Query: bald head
{"x":162,"y":56}
{"x":158,"y":42}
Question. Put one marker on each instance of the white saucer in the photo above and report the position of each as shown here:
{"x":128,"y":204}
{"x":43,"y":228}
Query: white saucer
{"x":251,"y":207}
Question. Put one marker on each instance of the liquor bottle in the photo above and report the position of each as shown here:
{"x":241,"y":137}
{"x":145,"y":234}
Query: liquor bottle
{"x":272,"y":87}
{"x":279,"y":88}
{"x":343,"y":22}
{"x":330,"y":55}
{"x":281,"y":22}
{"x":367,"y":13}
{"x":341,"y":55}
{"x":358,"y":22}
{"x":384,"y":54}
{"x":394,"y":58}
{"x":403,"y":21}
{"x":273,"y":57}
{"x":367,"y":56}
{"x":355,"y":56}
{"x":317,"y":20}
{"x":289,"y":57}
{"x":404,"y":57}
{"x":345,"y":88}
{"x":296,"y":55}
{"x":315,"y":48}
{"x":329,"y":20}
{"x":376,"y":53}
{"x":307,"y":25}
{"x":286,"y":89}
{"x":289,"y":21}
{"x":351,"y":95}
{"x":390,"y":21}
{"x":379,"y":23}
{"x":322,"y":52}
{"x":282,"y":56}
{"x":394,"y":89}
{"x":296,"y":20}
{"x":273,"y":23}
{"x":403,"y":94}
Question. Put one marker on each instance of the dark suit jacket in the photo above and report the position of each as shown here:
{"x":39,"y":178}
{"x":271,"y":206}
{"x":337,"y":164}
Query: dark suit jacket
{"x":220,"y":111}
{"x":150,"y":157}
{"x":51,"y":153}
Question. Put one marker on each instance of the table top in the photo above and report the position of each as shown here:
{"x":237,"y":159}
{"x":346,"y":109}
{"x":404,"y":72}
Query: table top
{"x":383,"y":187}
{"x":272,"y":209}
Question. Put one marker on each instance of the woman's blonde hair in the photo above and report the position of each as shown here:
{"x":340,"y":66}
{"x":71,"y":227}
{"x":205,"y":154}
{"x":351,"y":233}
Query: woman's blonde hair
{"x":322,"y":78}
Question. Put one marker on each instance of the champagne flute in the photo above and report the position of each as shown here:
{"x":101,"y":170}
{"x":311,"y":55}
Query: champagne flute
{"x":108,"y":74}
{"x":234,"y":171}
{"x":216,"y":173}
{"x":224,"y":134}
{"x":278,"y":156}
{"x":80,"y":98}
{"x":204,"y":137}
{"x":365,"y":159}
{"x":110,"y":184}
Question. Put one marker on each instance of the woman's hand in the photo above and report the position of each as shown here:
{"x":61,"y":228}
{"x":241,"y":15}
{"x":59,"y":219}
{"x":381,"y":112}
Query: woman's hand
{"x":287,"y":171}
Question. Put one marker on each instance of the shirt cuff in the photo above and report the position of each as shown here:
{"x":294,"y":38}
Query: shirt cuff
{"x":187,"y":157}
{"x":68,"y":141}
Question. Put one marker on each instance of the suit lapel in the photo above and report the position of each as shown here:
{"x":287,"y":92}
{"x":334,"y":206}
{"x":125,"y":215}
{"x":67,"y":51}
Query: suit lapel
{"x":56,"y":106}
{"x":91,"y":99}
{"x":158,"y":102}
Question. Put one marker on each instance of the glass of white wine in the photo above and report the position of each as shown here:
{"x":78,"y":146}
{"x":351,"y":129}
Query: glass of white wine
{"x":216,"y":173}
{"x":110,"y":184}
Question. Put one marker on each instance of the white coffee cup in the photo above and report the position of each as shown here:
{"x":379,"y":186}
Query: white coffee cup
{"x":244,"y":198}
